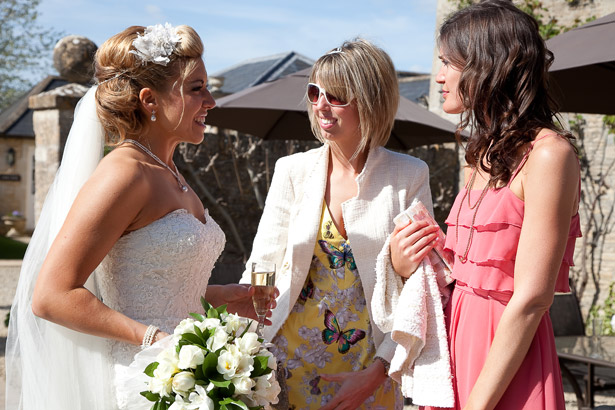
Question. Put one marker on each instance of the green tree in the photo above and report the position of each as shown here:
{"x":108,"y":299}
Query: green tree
{"x":24,"y":46}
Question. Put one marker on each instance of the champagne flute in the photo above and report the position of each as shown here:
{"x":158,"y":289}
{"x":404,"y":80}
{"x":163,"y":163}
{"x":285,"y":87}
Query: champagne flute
{"x":263,"y":282}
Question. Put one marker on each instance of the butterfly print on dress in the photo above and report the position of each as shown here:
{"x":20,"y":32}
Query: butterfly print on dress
{"x":337,"y":257}
{"x":332,"y":333}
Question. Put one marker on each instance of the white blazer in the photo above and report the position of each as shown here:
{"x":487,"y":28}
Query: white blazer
{"x":289,"y":225}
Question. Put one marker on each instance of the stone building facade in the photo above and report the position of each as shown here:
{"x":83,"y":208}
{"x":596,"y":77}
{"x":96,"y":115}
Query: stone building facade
{"x":595,"y":252}
{"x":16,"y":179}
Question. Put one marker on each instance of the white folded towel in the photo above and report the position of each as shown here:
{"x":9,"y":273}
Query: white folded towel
{"x":413,"y":313}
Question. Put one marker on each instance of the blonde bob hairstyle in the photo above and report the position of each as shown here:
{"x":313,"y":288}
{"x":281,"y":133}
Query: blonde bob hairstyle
{"x":121,"y":77}
{"x":361,"y":73}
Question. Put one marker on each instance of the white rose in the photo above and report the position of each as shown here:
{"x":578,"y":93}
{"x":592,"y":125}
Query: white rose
{"x":248,"y":343}
{"x":243,"y":385}
{"x":267,"y":389}
{"x":228,"y":362}
{"x":185,"y":326}
{"x":169,"y":354}
{"x":210,"y":323}
{"x":183,"y":382}
{"x":190,"y":357}
{"x":613,"y":322}
{"x":217,"y":340}
{"x":199,"y":400}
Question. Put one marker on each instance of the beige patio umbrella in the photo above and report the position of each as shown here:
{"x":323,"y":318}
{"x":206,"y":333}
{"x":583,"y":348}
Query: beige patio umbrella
{"x":278,"y":110}
{"x":583,"y":73}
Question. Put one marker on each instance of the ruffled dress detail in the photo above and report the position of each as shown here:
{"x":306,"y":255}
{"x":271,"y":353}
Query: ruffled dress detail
{"x":493,"y":251}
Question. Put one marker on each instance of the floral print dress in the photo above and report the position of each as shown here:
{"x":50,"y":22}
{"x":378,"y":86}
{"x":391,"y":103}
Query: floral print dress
{"x":328,"y":330}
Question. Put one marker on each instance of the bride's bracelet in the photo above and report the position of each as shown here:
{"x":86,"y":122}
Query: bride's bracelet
{"x":149,"y":336}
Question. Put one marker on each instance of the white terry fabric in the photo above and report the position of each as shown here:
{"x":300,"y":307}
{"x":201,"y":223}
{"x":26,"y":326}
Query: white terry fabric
{"x":413,"y":313}
{"x":289,"y":225}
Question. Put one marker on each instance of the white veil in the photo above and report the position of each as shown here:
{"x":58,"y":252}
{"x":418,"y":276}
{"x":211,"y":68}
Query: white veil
{"x":49,"y":366}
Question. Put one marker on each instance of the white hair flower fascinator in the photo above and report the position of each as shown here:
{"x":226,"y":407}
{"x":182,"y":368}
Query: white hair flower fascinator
{"x":156,"y":44}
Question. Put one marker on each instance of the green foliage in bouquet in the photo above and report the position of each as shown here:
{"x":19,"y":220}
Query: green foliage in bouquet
{"x":215,"y":363}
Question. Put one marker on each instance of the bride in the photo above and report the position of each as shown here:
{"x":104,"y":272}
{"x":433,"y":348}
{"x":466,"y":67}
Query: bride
{"x":130,"y":218}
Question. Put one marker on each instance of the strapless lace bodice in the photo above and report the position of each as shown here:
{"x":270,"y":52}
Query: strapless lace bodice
{"x":157,"y":274}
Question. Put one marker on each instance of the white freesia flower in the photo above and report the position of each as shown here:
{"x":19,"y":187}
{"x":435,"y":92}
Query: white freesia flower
{"x":228,"y":362}
{"x":613,"y":322}
{"x":159,"y":385}
{"x":217,"y":340}
{"x":179,"y":403}
{"x":243,"y":385}
{"x":190,"y":356}
{"x":235,"y":324}
{"x":183,"y":382}
{"x":245,"y":365}
{"x":248,"y":343}
{"x":267,"y":389}
{"x":167,"y":366}
{"x":199,"y":400}
{"x":156,"y":44}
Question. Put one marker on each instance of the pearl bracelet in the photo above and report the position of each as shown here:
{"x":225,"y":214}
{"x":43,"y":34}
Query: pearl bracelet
{"x":149,"y":336}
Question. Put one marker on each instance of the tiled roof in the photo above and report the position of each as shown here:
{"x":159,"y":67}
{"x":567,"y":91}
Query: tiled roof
{"x":16,"y":120}
{"x":414,"y":86}
{"x":256,"y":71}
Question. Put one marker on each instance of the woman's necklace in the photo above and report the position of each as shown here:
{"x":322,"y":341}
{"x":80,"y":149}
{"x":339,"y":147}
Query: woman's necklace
{"x":464,"y":258}
{"x":175,"y":173}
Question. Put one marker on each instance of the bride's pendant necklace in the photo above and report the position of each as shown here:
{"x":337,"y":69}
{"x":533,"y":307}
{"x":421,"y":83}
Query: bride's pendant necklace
{"x":175,"y":173}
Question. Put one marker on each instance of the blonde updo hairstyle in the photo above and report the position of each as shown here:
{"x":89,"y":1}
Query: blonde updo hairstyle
{"x":122,"y":75}
{"x":363,"y":73}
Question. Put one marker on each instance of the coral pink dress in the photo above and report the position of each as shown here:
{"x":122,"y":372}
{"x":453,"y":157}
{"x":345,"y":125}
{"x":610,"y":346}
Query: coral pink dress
{"x":484,"y":285}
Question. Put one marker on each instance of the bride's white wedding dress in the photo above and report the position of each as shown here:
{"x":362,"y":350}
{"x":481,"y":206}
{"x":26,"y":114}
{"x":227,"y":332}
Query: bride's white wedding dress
{"x":157,"y":275}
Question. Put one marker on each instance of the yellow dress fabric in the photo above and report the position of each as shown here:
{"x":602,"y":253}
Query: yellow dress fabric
{"x":328,"y":330}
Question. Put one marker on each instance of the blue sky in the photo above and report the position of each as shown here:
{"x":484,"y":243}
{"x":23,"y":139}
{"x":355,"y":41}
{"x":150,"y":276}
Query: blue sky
{"x":237,"y":30}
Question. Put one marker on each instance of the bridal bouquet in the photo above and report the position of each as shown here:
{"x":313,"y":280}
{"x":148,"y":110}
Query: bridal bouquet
{"x":213,"y":362}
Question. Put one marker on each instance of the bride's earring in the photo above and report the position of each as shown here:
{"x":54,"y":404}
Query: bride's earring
{"x":153,"y":117}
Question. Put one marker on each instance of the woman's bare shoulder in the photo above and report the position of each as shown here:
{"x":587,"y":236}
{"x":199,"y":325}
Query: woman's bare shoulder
{"x":552,"y":151}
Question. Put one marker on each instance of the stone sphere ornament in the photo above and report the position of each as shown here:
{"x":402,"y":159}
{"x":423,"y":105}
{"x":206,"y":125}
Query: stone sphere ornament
{"x":73,"y":57}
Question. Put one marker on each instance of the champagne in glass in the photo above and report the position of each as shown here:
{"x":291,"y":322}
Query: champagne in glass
{"x":263,"y":282}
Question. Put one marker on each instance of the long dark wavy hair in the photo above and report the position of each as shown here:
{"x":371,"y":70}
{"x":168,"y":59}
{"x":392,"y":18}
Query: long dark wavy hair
{"x":503,"y":83}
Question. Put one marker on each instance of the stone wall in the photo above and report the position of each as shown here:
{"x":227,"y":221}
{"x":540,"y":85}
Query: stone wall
{"x":52,"y":119}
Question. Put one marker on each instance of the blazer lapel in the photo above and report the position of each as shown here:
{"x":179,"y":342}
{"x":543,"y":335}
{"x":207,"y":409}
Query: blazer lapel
{"x":307,"y":223}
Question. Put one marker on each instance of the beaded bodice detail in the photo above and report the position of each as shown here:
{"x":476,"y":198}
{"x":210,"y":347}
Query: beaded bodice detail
{"x":157,"y":274}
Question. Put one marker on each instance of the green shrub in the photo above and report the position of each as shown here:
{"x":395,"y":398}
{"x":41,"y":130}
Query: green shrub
{"x":10,"y":249}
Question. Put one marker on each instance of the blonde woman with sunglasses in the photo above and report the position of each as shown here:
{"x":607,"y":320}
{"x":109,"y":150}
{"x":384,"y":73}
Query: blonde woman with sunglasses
{"x":327,"y":216}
